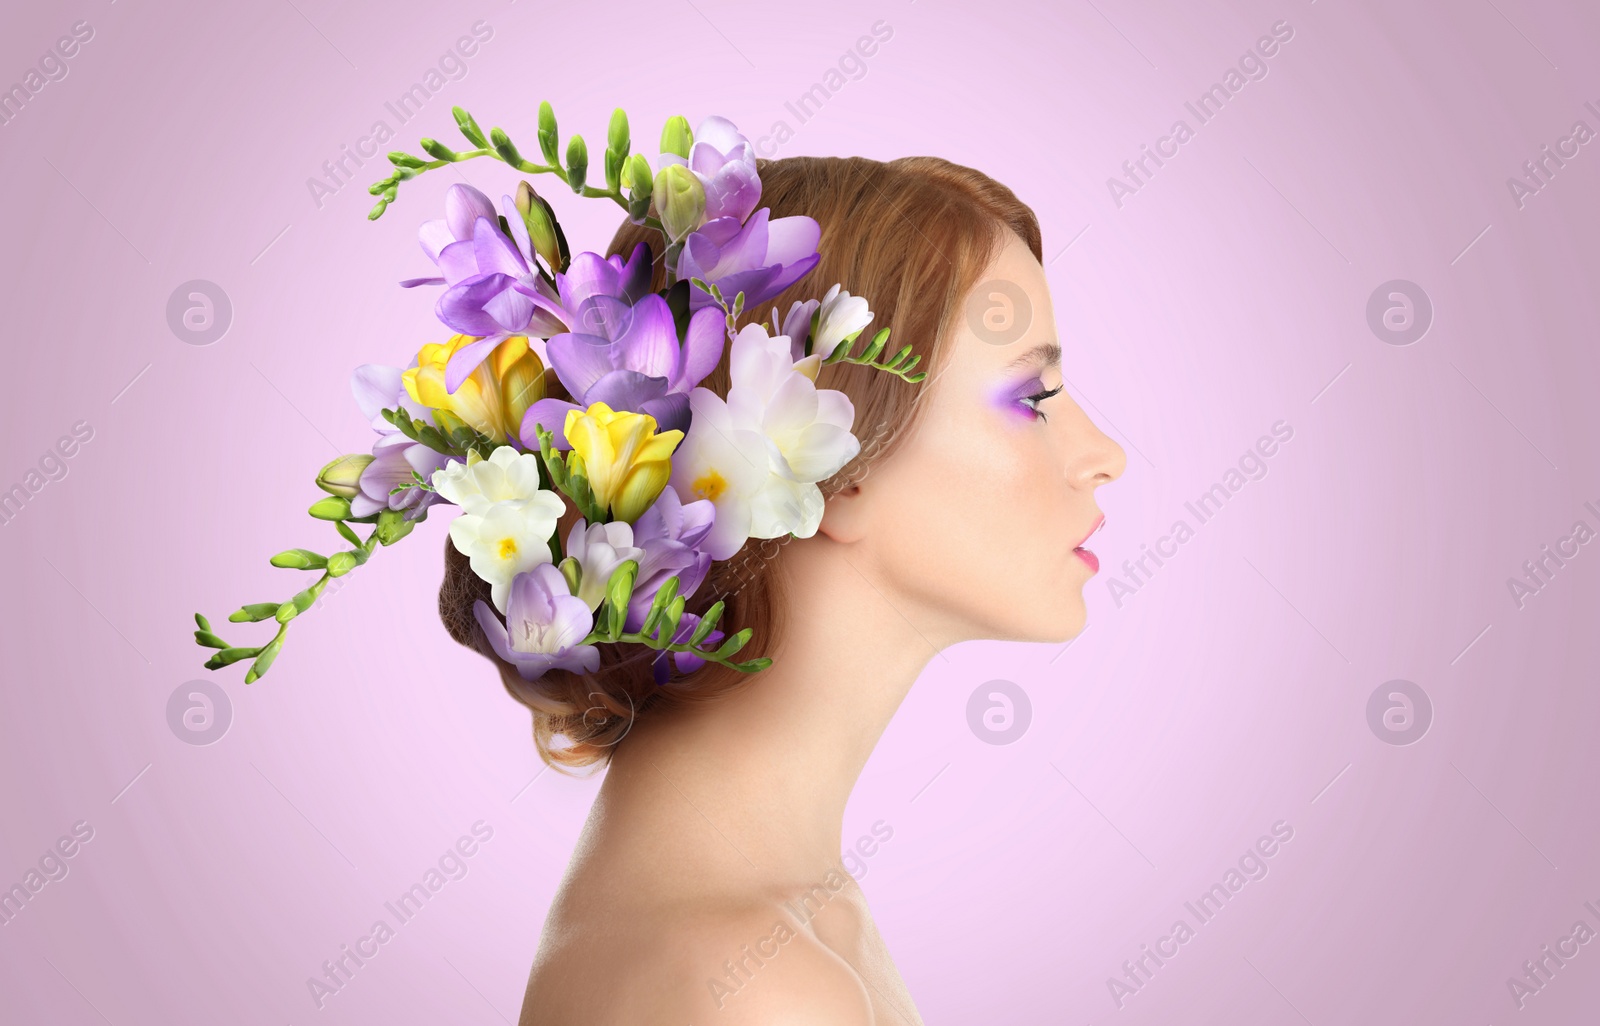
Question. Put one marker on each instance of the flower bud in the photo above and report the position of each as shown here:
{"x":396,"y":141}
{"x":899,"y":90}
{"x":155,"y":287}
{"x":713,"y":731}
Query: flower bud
{"x":617,"y":133}
{"x":342,"y":477}
{"x":539,"y":218}
{"x":676,"y":136}
{"x":680,"y":200}
{"x":577,"y":162}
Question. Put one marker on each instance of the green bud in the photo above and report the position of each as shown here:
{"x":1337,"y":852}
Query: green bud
{"x":392,"y":526}
{"x":400,"y":158}
{"x":680,"y":201}
{"x":469,"y":128}
{"x":201,"y":622}
{"x":341,"y":563}
{"x":254,"y":612}
{"x":209,"y":640}
{"x":263,"y":662}
{"x":286,"y":612}
{"x":505,"y":147}
{"x":636,"y":174}
{"x":617,"y":133}
{"x":343,"y":475}
{"x":437,"y":150}
{"x":334,"y":507}
{"x":299,"y":559}
{"x":541,"y":222}
{"x":572,"y":570}
{"x":228,"y":656}
{"x":577,"y":163}
{"x":547,"y":134}
{"x":676,"y":136}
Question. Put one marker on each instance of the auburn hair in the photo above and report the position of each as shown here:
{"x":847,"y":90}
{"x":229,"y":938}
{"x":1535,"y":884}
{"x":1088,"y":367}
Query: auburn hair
{"x":910,"y":235}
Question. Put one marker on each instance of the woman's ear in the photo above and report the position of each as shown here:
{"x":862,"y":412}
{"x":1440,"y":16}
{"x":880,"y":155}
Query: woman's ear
{"x":844,"y":514}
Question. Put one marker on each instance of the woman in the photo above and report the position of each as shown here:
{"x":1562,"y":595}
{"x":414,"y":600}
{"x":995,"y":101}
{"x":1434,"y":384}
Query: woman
{"x":707,"y":885}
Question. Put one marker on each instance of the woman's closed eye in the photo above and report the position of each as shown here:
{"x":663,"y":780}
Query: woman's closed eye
{"x":1032,"y":401}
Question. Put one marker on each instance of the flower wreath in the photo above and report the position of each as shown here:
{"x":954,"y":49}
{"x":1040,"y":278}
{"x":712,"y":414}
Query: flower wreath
{"x":667,"y":476}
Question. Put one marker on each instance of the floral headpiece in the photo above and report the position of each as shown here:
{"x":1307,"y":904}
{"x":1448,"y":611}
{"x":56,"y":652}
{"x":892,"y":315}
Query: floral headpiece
{"x":667,"y":475}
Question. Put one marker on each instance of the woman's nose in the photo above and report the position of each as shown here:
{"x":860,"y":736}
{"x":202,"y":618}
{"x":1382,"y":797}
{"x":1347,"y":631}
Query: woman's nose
{"x":1096,"y":458}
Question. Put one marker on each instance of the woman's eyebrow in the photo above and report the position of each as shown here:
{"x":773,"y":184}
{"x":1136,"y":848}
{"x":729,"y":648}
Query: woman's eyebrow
{"x":1047,"y":353}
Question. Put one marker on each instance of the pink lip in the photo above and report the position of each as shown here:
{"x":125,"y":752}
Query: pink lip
{"x":1086,"y":555}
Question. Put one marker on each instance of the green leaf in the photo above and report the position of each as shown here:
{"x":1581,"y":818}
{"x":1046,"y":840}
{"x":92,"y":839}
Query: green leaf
{"x":299,"y":559}
{"x":334,"y":507}
{"x":347,"y":534}
{"x":469,"y":128}
{"x":254,"y":612}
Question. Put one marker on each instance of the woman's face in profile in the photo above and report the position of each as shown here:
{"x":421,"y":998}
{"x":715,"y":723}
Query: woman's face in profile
{"x":979,"y":519}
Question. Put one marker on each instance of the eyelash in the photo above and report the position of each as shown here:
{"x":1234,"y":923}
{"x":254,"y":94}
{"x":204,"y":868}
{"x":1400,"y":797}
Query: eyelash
{"x":1039,"y":397}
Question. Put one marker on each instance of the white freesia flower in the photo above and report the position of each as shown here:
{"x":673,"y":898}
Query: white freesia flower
{"x":842,"y":315}
{"x":599,"y":550}
{"x":759,"y":454}
{"x":723,"y":463}
{"x":507,"y":538}
{"x":506,"y":476}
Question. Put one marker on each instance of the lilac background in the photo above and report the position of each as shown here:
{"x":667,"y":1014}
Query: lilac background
{"x":1229,"y":693}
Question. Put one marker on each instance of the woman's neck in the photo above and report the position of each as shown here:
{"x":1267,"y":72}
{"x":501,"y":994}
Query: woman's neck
{"x":752,"y":786}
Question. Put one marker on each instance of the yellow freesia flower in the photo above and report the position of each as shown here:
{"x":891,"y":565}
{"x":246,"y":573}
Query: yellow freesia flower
{"x":626,"y":461}
{"x":491,"y":401}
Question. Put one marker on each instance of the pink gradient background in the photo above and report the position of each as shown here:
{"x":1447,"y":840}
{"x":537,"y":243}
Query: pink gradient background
{"x":1224,"y":696}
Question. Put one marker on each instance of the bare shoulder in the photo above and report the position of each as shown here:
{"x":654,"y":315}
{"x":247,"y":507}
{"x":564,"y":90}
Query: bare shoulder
{"x":731,"y":967}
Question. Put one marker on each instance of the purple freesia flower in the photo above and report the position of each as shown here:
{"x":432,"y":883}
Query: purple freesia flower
{"x":725,"y":163}
{"x":758,"y":258}
{"x":494,"y":289}
{"x":630,"y":359}
{"x":376,"y":388}
{"x":669,"y":532}
{"x":687,"y":662}
{"x":544,"y":626}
